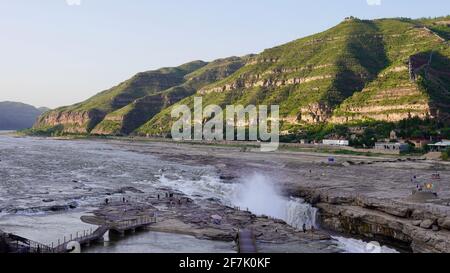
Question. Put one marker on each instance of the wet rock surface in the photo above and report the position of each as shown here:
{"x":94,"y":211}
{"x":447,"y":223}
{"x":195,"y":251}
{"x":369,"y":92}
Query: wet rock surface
{"x":370,"y":200}
{"x":371,"y":197}
{"x":210,"y":220}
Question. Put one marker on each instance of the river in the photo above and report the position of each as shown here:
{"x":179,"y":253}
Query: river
{"x":47,"y":184}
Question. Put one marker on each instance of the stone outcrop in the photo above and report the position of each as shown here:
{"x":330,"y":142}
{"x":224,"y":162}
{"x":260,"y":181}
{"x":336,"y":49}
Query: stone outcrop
{"x":392,"y":113}
{"x":315,"y":113}
{"x":407,"y":225}
{"x":71,"y":122}
{"x":256,"y":81}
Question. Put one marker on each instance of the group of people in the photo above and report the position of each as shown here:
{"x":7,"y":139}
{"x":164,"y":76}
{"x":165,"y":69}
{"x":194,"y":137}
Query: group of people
{"x":419,"y":187}
{"x":428,"y":186}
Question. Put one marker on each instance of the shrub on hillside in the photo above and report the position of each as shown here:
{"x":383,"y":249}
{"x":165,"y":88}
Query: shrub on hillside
{"x":446,"y":155}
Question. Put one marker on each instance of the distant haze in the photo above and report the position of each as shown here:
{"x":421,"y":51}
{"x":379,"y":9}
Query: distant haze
{"x":17,"y":116}
{"x":55,"y":54}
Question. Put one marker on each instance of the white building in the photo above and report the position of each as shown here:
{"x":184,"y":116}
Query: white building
{"x":335,"y":142}
{"x":440,"y":146}
{"x":392,"y":146}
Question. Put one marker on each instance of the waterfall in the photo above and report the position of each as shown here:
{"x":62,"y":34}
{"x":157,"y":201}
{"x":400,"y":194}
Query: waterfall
{"x":256,"y":193}
{"x":299,"y":213}
{"x":261,"y":196}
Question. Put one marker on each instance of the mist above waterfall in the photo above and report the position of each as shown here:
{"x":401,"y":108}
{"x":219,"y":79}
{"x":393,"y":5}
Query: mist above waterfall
{"x":259,"y":194}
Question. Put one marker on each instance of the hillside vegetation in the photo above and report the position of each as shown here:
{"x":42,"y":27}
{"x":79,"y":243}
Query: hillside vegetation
{"x":358,"y":72}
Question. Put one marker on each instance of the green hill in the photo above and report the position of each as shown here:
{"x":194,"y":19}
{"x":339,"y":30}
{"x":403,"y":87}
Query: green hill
{"x":83,"y":117}
{"x":359,"y":71}
{"x":125,"y":120}
{"x":356,"y":71}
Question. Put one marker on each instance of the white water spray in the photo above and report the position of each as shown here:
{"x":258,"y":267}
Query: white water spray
{"x":260,"y":195}
{"x":350,"y":245}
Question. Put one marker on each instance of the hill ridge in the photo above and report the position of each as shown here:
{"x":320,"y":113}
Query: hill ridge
{"x":357,"y":71}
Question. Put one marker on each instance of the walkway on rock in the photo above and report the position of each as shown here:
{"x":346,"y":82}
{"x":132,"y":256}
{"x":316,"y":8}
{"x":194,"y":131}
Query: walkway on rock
{"x":119,"y":227}
{"x":246,"y":241}
{"x":19,"y":244}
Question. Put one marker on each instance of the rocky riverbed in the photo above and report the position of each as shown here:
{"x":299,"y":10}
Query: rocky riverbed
{"x":358,"y":196}
{"x":47,"y":185}
{"x":210,"y":220}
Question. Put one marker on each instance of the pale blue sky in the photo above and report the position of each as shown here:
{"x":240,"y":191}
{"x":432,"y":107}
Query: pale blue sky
{"x":54,"y":54}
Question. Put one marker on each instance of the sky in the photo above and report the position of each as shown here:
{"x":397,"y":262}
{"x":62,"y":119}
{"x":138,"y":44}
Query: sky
{"x":59,"y":52}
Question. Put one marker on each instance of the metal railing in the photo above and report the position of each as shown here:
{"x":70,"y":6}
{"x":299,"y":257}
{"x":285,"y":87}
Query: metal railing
{"x":141,"y":221}
{"x":22,"y":245}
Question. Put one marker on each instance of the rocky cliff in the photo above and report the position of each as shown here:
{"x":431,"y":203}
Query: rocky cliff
{"x":423,"y":228}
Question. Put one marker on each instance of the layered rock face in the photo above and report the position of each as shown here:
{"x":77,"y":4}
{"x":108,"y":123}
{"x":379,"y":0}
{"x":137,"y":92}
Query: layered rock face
{"x":417,"y":226}
{"x":71,"y":122}
{"x":359,"y":70}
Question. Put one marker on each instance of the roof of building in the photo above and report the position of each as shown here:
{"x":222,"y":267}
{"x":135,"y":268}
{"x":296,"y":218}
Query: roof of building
{"x":442,"y":143}
{"x":391,"y":143}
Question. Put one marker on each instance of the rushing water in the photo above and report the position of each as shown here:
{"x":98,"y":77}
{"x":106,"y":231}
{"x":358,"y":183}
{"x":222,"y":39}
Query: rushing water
{"x":256,"y":193}
{"x":39,"y":175}
{"x":157,"y":242}
{"x":260,"y":195}
{"x":350,"y":245}
{"x":46,"y":185}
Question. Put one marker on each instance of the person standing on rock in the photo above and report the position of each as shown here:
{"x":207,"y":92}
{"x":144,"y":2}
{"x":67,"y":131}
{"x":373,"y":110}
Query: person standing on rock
{"x":304,"y":228}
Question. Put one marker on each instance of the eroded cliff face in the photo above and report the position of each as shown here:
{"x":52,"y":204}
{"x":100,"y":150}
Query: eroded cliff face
{"x":405,"y":224}
{"x":277,"y":79}
{"x":391,"y":105}
{"x":70,"y":122}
